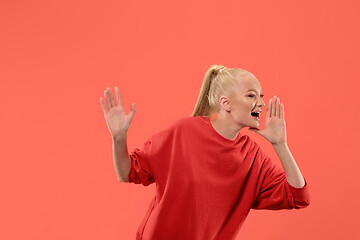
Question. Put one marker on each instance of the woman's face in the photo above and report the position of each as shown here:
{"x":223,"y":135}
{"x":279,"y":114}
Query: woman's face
{"x":247,"y":98}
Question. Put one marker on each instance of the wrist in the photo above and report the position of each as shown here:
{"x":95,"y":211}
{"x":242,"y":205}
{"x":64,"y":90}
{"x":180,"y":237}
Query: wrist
{"x":119,"y":137}
{"x":279,"y":144}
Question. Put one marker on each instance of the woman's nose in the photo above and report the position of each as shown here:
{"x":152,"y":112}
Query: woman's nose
{"x":262,"y":103}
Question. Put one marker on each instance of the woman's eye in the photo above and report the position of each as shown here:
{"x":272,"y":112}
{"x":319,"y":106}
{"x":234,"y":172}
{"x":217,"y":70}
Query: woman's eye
{"x":252,"y":95}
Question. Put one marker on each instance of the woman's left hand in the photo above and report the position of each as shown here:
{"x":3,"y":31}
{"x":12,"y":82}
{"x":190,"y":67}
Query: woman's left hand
{"x":275,"y":127}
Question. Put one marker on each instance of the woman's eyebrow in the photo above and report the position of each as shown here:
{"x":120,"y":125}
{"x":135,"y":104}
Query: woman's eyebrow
{"x":253,"y":90}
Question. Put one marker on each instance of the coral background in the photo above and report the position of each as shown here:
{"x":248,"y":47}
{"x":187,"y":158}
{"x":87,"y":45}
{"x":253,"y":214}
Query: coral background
{"x":57,"y":57}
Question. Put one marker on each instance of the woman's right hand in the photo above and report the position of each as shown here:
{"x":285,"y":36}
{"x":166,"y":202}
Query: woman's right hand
{"x":116,"y":119}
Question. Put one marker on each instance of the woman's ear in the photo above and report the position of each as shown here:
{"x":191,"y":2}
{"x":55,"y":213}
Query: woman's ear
{"x":225,"y":103}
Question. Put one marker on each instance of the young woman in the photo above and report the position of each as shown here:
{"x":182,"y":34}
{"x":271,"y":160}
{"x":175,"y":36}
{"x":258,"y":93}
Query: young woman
{"x":208,"y":175}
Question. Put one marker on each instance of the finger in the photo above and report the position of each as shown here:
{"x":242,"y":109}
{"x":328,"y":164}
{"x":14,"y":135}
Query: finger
{"x":132,"y":112}
{"x":118,"y":96}
{"x":268,"y":109}
{"x":282,"y":112}
{"x":278,"y":107}
{"x":103,"y":105}
{"x":273,"y":102}
{"x":112,"y":99}
{"x":106,"y":94}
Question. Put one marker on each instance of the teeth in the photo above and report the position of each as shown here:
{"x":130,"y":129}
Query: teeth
{"x":255,"y":114}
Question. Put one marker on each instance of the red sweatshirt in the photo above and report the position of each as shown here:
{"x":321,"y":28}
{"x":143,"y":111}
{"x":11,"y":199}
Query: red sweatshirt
{"x":207,"y":184}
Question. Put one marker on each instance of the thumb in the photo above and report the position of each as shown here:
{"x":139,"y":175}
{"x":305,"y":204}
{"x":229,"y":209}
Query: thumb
{"x":132,"y":111}
{"x":133,"y":106}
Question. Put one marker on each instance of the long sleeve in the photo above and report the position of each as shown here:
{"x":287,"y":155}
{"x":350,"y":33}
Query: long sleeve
{"x":275,"y":192}
{"x":140,"y":166}
{"x":207,"y":184}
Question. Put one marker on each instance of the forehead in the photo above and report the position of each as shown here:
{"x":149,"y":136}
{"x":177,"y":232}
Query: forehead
{"x":247,"y":82}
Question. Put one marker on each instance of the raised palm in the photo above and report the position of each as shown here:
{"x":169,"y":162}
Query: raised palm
{"x":275,"y":126}
{"x":116,"y":119}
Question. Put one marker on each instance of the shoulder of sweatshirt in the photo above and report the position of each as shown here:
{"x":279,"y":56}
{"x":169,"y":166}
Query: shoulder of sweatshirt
{"x":252,"y":142}
{"x":170,"y":129}
{"x":182,"y":122}
{"x":189,"y":122}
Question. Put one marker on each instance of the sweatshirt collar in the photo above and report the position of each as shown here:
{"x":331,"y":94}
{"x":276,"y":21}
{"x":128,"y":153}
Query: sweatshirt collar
{"x":206,"y":121}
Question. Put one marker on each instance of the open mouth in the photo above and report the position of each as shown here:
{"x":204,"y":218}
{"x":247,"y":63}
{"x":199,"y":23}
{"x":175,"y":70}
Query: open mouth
{"x":256,"y":115}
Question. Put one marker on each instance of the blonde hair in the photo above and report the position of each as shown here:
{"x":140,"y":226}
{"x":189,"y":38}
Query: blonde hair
{"x":219,"y":80}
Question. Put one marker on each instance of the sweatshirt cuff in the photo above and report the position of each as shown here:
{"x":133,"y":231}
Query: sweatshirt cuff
{"x":298,"y":192}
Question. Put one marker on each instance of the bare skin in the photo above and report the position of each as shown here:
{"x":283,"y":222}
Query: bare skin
{"x":116,"y":119}
{"x":235,"y":112}
{"x":118,"y":123}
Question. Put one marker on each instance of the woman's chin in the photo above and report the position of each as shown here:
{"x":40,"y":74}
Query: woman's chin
{"x":257,"y":124}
